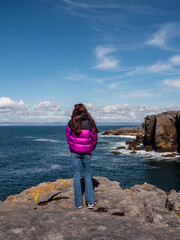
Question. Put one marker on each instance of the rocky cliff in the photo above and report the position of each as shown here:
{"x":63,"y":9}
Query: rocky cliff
{"x":47,"y":212}
{"x":162,"y":132}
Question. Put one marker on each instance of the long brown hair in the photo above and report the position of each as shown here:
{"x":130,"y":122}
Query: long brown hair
{"x":76,"y":118}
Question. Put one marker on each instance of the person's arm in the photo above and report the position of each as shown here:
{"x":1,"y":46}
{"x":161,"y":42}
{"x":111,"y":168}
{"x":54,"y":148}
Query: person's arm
{"x":94,"y":138}
{"x":68,"y":133}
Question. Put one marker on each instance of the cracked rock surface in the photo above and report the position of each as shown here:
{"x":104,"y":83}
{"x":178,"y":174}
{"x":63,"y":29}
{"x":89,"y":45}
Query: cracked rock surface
{"x":47,"y":212}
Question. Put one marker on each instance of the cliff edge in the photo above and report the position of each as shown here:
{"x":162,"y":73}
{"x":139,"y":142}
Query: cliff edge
{"x":47,"y":212}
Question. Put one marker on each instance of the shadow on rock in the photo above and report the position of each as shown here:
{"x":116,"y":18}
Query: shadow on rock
{"x":94,"y":181}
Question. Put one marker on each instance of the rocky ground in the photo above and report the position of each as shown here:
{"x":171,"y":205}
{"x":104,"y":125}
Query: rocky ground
{"x":47,"y":212}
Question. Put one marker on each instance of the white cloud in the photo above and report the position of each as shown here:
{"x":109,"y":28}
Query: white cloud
{"x":47,"y":106}
{"x":125,"y":112}
{"x":13,"y":111}
{"x":163,"y":35}
{"x":175,"y":83}
{"x":48,"y":112}
{"x":6,"y":104}
{"x":105,"y":60}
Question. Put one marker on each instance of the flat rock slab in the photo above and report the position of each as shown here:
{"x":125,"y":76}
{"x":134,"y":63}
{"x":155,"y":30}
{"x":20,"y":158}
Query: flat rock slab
{"x":47,"y":212}
{"x":133,"y":131}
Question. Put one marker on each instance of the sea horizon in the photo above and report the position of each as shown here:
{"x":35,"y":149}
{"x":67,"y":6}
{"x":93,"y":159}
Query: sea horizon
{"x":63,"y":124}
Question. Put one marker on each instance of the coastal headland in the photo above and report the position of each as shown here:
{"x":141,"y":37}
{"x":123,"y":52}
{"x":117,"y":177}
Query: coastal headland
{"x":47,"y":212}
{"x":160,"y":133}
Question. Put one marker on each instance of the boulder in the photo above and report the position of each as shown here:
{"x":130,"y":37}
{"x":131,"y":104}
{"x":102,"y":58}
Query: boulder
{"x":116,"y":153}
{"x":134,"y":145}
{"x":121,"y":147}
{"x":133,"y":152}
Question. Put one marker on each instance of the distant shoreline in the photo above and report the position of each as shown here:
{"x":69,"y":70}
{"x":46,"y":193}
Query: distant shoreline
{"x":64,"y":124}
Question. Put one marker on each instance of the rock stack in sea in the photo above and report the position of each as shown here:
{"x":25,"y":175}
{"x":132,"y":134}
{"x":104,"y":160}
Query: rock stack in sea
{"x":159,"y":132}
{"x":162,"y":132}
{"x":47,"y":212}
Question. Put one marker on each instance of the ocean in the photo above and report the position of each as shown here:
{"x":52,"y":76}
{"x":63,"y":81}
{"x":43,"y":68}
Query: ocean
{"x":30,"y":155}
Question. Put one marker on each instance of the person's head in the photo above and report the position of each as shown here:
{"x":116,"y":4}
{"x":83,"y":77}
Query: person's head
{"x":77,"y":120}
{"x":78,"y":109}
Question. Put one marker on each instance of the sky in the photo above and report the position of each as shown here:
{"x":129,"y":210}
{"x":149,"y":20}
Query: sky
{"x":121,"y":58}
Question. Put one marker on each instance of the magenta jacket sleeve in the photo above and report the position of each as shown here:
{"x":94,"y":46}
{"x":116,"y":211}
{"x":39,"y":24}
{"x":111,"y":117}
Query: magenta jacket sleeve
{"x":94,"y":138}
{"x":68,"y":132}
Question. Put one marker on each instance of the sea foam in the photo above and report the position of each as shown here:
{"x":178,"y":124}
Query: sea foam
{"x":118,"y":136}
{"x":45,"y":140}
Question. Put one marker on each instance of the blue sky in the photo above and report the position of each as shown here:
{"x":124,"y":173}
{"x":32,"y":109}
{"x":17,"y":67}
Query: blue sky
{"x":121,"y":58}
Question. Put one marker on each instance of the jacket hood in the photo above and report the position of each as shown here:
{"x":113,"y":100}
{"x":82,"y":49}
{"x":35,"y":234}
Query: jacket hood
{"x":84,"y":116}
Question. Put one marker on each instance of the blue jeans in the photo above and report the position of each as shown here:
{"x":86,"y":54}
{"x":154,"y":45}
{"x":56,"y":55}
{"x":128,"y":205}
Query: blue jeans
{"x":77,"y":159}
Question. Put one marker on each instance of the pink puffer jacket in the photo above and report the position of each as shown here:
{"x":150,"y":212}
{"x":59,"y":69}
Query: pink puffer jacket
{"x":84,"y":143}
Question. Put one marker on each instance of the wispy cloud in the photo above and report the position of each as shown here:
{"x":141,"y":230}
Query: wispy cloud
{"x":160,"y":67}
{"x":91,"y":5}
{"x":134,"y":94}
{"x":167,"y":66}
{"x":105,"y":60}
{"x":105,"y":4}
{"x":175,"y":60}
{"x":77,"y":76}
{"x":159,"y":38}
{"x":165,"y":33}
{"x":174,"y":83}
{"x":114,"y":85}
{"x":109,"y":19}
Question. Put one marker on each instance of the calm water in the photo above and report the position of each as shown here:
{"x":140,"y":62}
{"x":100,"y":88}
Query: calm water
{"x":30,"y":155}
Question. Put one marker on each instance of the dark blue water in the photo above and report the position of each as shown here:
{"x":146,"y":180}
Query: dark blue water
{"x":30,"y":155}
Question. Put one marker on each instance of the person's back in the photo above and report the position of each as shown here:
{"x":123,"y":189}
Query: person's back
{"x":85,"y":142}
{"x":81,"y":134}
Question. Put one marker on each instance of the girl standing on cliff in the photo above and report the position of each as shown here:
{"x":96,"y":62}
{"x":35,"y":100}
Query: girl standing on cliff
{"x":81,"y":134}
